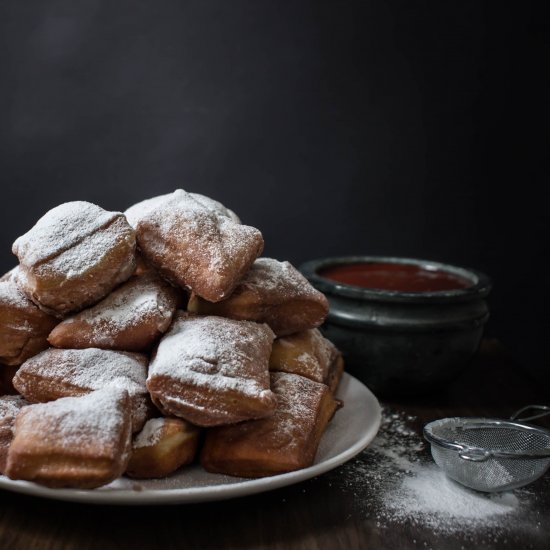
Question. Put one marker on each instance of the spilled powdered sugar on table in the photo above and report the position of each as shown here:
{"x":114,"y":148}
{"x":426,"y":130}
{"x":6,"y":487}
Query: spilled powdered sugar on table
{"x":395,"y":482}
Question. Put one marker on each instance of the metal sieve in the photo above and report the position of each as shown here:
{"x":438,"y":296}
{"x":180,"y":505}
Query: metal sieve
{"x":489,"y":454}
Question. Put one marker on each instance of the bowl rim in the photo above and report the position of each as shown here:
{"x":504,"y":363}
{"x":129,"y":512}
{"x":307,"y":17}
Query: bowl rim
{"x":480,"y":288}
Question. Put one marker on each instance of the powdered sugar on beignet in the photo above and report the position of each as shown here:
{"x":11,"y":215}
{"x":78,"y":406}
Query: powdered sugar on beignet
{"x":74,"y":256}
{"x":271,"y":292}
{"x":195,"y":246}
{"x":56,"y":373}
{"x":140,"y":209}
{"x":163,"y":446}
{"x":305,"y":353}
{"x":131,"y":318}
{"x":211,"y":370}
{"x":80,"y":442}
{"x":286,"y":441}
{"x":24,"y":328}
{"x":10,"y":405}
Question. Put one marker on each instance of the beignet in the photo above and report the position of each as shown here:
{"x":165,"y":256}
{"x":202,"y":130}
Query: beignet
{"x":24,"y":328}
{"x":131,"y":318}
{"x":138,"y":210}
{"x":10,"y":405}
{"x":286,"y":441}
{"x":195,"y":247}
{"x":81,"y":442}
{"x":163,"y":446}
{"x":271,"y":292}
{"x":74,"y":256}
{"x":308,"y":354}
{"x":56,"y":373}
{"x":212,"y":371}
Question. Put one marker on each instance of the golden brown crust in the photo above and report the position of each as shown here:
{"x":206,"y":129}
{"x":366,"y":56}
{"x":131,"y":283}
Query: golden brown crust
{"x":24,"y":328}
{"x":74,"y":256}
{"x":212,"y":371}
{"x":7,"y":276}
{"x":56,"y":373}
{"x":80,"y":442}
{"x":131,"y":318}
{"x":286,"y":441}
{"x":195,"y":247}
{"x":211,"y":368}
{"x":10,"y":405}
{"x":163,"y":446}
{"x":271,"y":292}
{"x":137,"y":211}
{"x":308,"y":354}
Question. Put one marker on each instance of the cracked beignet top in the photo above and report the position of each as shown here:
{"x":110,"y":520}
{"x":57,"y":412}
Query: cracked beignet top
{"x":196,"y":247}
{"x":74,"y":256}
{"x":211,"y":370}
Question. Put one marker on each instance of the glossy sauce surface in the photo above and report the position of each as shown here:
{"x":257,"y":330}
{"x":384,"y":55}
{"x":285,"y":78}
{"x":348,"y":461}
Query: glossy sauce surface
{"x":393,"y":276}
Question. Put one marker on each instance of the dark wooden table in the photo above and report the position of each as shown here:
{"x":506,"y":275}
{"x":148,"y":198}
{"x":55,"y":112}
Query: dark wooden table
{"x":324,"y":512}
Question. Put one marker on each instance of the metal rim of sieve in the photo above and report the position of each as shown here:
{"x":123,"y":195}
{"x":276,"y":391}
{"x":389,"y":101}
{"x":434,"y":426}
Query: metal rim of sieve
{"x":479,"y":454}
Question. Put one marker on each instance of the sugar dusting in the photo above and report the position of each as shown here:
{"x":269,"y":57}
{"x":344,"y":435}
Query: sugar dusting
{"x":167,"y":225}
{"x":215,"y":353}
{"x":142,"y":299}
{"x":60,"y":229}
{"x":10,"y":405}
{"x":11,"y":295}
{"x":95,"y":418}
{"x":297,"y":401}
{"x":90,"y":369}
{"x":397,"y":483}
{"x":268,"y":276}
{"x":139,"y":210}
{"x":93,"y":249}
{"x":150,"y":435}
{"x":307,"y":353}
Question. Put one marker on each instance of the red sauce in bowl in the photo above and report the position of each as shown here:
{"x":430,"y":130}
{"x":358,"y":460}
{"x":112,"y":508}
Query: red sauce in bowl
{"x":394,"y":276}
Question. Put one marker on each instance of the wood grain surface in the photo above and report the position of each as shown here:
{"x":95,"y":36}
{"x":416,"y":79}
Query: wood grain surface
{"x":322,"y":513}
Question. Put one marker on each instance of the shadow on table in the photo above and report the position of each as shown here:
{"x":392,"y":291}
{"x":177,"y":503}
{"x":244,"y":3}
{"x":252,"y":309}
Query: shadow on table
{"x":280,"y":518}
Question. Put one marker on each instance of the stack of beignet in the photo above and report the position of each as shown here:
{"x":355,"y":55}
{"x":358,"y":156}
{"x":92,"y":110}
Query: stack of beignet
{"x":126,"y":340}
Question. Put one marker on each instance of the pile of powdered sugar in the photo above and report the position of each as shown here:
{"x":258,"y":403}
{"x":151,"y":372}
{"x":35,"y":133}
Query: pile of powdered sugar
{"x":396,"y":481}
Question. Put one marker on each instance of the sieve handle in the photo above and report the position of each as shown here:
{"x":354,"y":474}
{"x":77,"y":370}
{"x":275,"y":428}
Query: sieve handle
{"x":544,"y":408}
{"x":474,"y":455}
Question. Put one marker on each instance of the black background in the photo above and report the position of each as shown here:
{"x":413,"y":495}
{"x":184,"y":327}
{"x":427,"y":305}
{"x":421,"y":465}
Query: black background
{"x":398,"y":128}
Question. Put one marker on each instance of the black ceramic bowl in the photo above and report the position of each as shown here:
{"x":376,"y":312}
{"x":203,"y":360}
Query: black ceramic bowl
{"x":403,"y":342}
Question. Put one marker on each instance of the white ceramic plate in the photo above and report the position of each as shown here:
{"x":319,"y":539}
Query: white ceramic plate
{"x":353,"y":427}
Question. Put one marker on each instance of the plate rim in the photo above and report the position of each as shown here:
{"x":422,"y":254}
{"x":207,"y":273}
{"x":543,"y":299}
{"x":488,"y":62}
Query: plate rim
{"x":133,"y":497}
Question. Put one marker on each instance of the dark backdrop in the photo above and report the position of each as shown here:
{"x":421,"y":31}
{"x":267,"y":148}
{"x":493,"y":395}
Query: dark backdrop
{"x":368,"y":127}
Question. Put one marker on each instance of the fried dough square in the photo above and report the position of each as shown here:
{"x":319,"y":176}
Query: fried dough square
{"x":56,"y":373}
{"x":81,"y":442}
{"x":131,"y":318}
{"x":195,"y":246}
{"x":271,"y":292}
{"x":74,"y":256}
{"x":163,"y":446}
{"x":212,"y":371}
{"x":308,"y":354}
{"x":10,"y":405}
{"x":284,"y":442}
{"x":24,"y":327}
